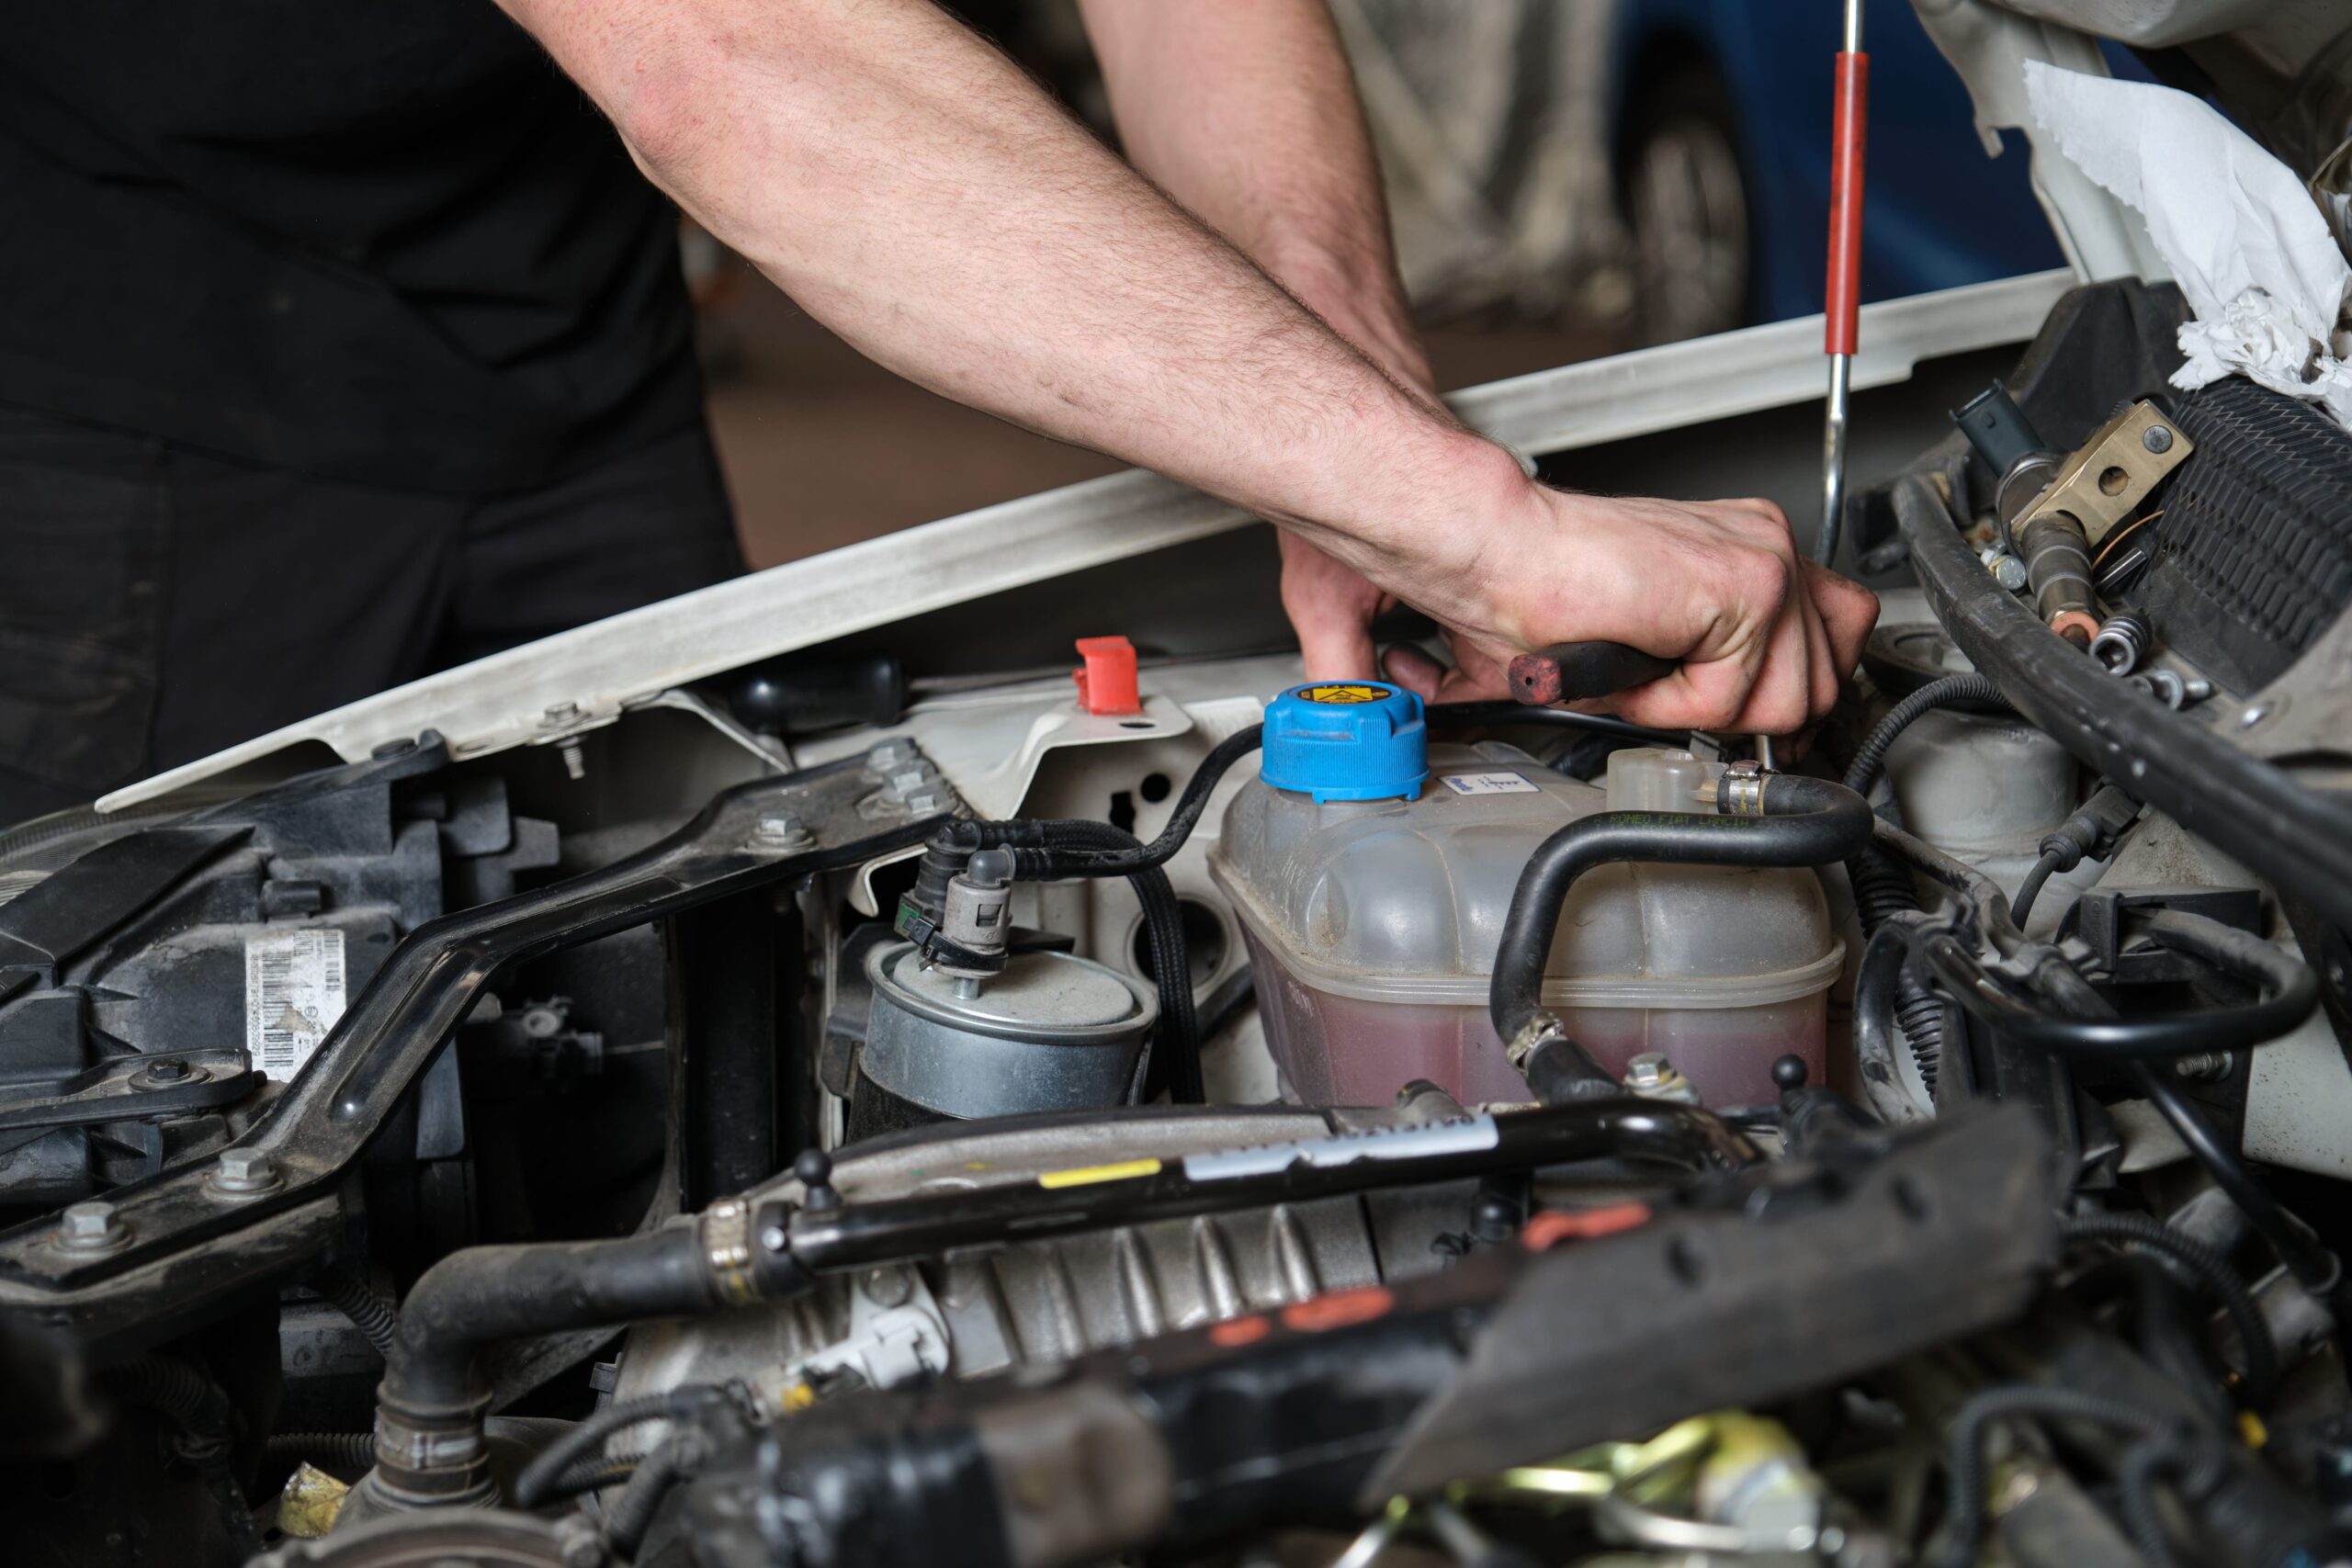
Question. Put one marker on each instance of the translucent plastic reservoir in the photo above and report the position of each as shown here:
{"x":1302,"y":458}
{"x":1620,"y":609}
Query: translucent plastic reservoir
{"x":1372,"y":928}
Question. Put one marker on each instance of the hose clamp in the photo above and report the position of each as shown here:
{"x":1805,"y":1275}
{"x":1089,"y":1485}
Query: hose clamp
{"x":1741,"y":791}
{"x":725,"y":1236}
{"x":1541,"y":1027}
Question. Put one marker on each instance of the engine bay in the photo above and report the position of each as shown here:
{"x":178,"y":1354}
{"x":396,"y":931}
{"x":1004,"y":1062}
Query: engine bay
{"x":832,"y":1115}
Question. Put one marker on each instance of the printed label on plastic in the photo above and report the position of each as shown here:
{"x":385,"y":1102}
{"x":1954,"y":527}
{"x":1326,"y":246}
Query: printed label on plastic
{"x":294,"y":986}
{"x":1490,"y":784}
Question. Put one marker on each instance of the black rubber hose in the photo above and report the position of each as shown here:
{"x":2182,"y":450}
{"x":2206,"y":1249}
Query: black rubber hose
{"x":593,"y":1475}
{"x":2306,"y":1257}
{"x":1177,"y":1055}
{"x":193,"y":1404}
{"x":348,"y":1452}
{"x":1439,"y":715}
{"x":2289,"y":992}
{"x":1951,"y":691}
{"x":2211,"y":1270}
{"x":486,"y":1295}
{"x":1965,"y":1458}
{"x":641,"y":1496}
{"x":1806,"y":822}
{"x":1044,"y":864}
{"x":2040,"y":872}
{"x":348,"y":1293}
{"x":540,"y":1478}
{"x":1882,"y":887}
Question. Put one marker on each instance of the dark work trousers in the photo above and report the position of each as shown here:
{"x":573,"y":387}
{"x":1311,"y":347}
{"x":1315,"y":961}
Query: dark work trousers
{"x":158,"y":603}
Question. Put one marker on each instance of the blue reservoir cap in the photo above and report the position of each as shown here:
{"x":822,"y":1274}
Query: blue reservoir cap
{"x":1346,"y":741}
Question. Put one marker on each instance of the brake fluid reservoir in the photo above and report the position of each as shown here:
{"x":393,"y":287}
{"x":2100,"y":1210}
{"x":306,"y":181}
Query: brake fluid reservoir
{"x":1373,"y":913}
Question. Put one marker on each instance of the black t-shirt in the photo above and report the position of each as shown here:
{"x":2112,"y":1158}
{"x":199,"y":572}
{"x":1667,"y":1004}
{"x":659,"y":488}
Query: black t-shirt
{"x":377,"y":240}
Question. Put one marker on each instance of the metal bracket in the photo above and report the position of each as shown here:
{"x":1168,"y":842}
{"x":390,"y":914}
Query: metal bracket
{"x":2109,"y":475}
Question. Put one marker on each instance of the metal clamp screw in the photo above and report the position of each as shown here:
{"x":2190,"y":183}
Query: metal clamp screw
{"x":2156,"y":438}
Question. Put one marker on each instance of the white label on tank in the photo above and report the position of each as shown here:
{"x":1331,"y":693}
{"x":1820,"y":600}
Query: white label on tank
{"x":293,"y":995}
{"x":1490,"y":784}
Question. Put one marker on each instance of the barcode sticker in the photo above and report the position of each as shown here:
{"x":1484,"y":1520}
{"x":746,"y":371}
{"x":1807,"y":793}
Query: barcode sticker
{"x":293,"y":995}
{"x":1490,"y":784}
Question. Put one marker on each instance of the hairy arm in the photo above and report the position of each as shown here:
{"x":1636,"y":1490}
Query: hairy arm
{"x":1245,"y":112}
{"x":919,"y":196}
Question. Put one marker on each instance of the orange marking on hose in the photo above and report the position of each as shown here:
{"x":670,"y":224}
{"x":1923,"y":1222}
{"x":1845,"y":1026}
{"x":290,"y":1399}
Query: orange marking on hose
{"x":1340,"y":1309}
{"x":1234,"y":1333}
{"x":1553,"y":1226}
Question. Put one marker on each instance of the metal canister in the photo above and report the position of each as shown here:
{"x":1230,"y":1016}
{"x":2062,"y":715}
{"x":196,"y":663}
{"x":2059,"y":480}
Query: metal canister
{"x":1053,"y":1031}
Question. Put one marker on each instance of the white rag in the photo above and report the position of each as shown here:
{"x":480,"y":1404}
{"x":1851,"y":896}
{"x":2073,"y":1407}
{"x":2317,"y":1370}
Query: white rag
{"x":2249,"y":247}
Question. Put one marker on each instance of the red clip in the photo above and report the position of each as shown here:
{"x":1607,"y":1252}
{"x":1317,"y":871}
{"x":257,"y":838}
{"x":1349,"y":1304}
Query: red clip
{"x":1107,"y":684}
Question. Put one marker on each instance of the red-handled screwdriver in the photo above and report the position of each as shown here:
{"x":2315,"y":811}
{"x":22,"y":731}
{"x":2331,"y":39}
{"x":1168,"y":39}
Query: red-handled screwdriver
{"x":1842,"y":301}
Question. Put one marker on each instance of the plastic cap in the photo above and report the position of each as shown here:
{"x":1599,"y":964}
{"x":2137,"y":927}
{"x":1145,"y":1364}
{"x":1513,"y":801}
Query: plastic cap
{"x":1107,"y":684}
{"x":1346,"y":741}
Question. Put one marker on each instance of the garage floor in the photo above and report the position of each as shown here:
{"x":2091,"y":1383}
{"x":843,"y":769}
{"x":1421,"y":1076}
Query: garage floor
{"x":823,"y":448}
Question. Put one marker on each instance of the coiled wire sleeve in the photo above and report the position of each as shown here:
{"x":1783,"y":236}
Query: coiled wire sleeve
{"x":1883,"y":888}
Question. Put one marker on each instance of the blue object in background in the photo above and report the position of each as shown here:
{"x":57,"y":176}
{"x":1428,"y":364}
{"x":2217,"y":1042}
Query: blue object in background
{"x":1346,"y":741}
{"x":1939,"y":213}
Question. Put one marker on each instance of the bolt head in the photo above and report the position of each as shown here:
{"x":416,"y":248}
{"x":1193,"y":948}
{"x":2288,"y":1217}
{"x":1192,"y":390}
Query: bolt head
{"x":1646,"y":1071}
{"x":91,"y":1226}
{"x":2253,"y":715}
{"x":244,"y":1170}
{"x":166,"y":1070}
{"x":924,"y":800}
{"x":2156,"y":438}
{"x":891,"y":754}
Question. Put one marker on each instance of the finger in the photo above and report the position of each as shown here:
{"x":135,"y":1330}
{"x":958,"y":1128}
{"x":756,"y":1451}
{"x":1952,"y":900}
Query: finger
{"x":1337,"y":650}
{"x":1821,"y":669}
{"x":1413,"y":669}
{"x":1780,"y":699}
{"x":1847,"y":611}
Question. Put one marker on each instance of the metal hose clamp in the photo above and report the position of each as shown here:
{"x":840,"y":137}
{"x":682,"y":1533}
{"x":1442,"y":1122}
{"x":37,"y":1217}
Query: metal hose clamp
{"x":1741,"y":791}
{"x":725,"y":1236}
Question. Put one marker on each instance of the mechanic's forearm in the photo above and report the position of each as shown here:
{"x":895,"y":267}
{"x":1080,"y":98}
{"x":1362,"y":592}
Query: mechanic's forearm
{"x":1245,"y":111}
{"x":918,"y":195}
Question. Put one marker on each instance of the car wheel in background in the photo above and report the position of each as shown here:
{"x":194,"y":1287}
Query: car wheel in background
{"x":1686,"y":205}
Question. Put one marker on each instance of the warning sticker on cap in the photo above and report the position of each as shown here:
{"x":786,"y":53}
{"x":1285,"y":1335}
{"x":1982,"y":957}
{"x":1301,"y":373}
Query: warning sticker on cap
{"x":1490,"y":784}
{"x":1342,"y":695}
{"x":294,"y":988}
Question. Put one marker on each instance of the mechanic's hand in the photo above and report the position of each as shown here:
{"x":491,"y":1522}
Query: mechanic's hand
{"x":1765,"y":637}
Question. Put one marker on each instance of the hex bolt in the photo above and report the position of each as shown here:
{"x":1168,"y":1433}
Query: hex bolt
{"x":924,"y":800}
{"x":92,"y":1227}
{"x":888,"y":1287}
{"x":782,"y":830}
{"x":2007,"y":570}
{"x":166,"y":1070}
{"x":2205,"y":1066}
{"x":242,"y":1170}
{"x":2156,"y":438}
{"x":1646,"y":1071}
{"x":889,"y":754}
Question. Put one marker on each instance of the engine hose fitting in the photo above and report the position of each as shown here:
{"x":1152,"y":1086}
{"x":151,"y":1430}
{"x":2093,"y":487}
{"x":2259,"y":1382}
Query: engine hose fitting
{"x":430,"y":1449}
{"x":2058,"y":571}
{"x":1805,"y":822}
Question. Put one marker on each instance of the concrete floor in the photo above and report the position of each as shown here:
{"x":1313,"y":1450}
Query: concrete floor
{"x":823,"y":447}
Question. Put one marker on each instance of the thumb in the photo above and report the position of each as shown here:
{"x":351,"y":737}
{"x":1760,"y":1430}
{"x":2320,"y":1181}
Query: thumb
{"x":1413,"y":669}
{"x":1337,"y":650}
